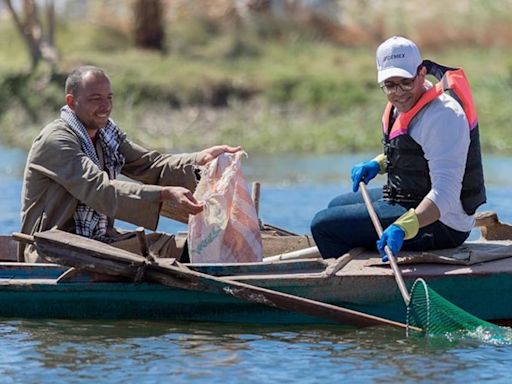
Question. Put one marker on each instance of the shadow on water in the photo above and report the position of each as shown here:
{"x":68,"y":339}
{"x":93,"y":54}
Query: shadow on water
{"x":125,"y":350}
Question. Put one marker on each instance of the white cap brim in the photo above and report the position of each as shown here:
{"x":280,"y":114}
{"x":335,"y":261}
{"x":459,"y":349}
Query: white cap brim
{"x":393,"y":72}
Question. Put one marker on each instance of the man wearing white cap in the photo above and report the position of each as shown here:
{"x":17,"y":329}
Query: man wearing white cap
{"x":431,"y":156}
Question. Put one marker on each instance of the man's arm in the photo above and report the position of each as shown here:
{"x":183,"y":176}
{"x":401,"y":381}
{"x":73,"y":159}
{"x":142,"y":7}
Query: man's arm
{"x":445,"y":141}
{"x":60,"y":158}
{"x":152,"y":167}
{"x":427,"y":212}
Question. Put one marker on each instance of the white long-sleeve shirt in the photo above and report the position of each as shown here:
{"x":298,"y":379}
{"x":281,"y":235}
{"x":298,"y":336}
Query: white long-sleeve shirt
{"x":441,"y":129}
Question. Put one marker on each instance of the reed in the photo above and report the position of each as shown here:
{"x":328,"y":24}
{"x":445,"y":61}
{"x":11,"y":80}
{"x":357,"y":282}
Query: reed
{"x":297,"y":91}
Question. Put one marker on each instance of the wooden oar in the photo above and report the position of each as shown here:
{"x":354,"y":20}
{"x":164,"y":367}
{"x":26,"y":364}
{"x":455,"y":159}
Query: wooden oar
{"x":392,"y":260}
{"x":82,"y":253}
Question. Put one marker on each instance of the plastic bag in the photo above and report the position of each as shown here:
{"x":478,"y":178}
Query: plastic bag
{"x":227,"y":230}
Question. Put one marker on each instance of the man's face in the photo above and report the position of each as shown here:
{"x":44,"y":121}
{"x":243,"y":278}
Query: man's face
{"x":92,"y":103}
{"x":404,"y":93}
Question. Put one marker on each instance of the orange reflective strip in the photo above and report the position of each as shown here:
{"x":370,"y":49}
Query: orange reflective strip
{"x":457,"y":81}
{"x":454,"y":80}
{"x":401,"y":124}
{"x":385,"y":117}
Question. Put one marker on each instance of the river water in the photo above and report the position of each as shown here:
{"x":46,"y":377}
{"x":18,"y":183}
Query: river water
{"x":293,"y":189}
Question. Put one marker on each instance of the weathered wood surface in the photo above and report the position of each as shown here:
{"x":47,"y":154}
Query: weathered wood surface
{"x":341,"y":261}
{"x":303,"y":253}
{"x":491,"y":228}
{"x":82,"y":253}
{"x":364,"y":284}
{"x":274,"y":245}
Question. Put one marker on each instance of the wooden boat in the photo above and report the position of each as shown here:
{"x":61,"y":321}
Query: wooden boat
{"x":477,"y":277}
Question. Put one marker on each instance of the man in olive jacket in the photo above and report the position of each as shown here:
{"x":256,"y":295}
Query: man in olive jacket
{"x":70,"y":176}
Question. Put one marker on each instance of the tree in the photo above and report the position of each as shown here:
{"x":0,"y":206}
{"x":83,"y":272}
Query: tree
{"x":40,"y":44}
{"x":149,"y":24}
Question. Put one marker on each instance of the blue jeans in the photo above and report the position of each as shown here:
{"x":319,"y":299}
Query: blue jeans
{"x":346,"y":224}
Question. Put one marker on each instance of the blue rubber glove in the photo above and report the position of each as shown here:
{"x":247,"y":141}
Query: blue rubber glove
{"x":364,"y":171}
{"x":393,"y":237}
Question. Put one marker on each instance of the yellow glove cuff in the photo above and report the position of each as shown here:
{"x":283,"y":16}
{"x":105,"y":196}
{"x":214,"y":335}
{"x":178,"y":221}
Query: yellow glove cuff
{"x":381,"y":159}
{"x":409,"y":223}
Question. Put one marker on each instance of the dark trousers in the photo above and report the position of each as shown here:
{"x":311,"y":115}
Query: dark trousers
{"x":346,"y":224}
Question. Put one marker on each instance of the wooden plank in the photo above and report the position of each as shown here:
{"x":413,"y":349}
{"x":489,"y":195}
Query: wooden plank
{"x":274,"y":244}
{"x":305,"y":253}
{"x":284,"y":267}
{"x":491,"y":228}
{"x":91,"y":255}
{"x":94,"y":248}
{"x":483,"y":219}
{"x":339,"y":263}
{"x":15,"y":270}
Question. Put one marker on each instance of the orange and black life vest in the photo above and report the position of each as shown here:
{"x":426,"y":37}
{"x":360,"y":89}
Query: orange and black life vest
{"x":407,"y":169}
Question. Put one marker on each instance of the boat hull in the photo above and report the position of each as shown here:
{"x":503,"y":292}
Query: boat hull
{"x":33,"y":291}
{"x":357,"y":281}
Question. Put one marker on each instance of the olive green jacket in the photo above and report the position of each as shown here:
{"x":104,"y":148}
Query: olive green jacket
{"x":59,"y":175}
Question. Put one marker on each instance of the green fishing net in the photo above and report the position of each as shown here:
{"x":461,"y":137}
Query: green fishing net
{"x":436,"y":316}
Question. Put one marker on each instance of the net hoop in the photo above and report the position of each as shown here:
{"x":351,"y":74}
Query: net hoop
{"x":419,"y":283}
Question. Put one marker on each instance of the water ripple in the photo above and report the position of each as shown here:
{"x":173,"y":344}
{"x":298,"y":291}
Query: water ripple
{"x":151,"y":352}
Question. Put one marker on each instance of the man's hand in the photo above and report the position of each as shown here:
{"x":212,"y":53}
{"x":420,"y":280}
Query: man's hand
{"x":393,"y":237}
{"x":182,"y":200}
{"x":405,"y":227}
{"x":364,"y":171}
{"x":208,"y":154}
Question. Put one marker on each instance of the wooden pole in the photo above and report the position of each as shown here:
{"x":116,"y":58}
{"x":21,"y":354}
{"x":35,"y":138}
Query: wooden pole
{"x":23,"y":237}
{"x":255,"y":194}
{"x":392,"y":260}
{"x":143,"y":243}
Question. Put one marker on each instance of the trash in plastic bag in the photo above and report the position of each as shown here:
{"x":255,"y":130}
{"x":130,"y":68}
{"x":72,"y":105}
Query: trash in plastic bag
{"x":227,"y":230}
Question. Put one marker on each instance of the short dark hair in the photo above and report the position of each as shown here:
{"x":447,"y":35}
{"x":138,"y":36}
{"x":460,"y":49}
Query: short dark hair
{"x":74,"y":79}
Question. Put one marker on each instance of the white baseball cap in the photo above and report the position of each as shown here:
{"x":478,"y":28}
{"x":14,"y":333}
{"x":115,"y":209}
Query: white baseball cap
{"x":397,"y":57}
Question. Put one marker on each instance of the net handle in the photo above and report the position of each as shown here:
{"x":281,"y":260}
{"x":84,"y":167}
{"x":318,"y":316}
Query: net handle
{"x":392,"y":260}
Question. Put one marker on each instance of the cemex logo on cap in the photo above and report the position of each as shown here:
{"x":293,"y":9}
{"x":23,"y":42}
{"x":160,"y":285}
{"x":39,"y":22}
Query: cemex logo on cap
{"x":399,"y":57}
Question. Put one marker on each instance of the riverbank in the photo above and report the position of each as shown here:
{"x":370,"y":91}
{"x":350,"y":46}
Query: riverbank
{"x":303,"y":96}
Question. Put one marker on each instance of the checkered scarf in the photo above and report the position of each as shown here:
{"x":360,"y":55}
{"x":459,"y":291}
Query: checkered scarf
{"x":88,"y":222}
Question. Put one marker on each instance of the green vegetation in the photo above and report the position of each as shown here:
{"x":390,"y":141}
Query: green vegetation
{"x":220,"y":86}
